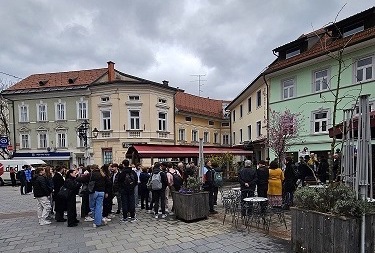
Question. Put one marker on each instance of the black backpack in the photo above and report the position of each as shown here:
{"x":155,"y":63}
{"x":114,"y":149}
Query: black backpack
{"x":129,"y":180}
{"x":177,"y":180}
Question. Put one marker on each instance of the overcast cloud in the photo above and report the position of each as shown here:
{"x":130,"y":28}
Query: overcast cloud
{"x":228,"y":41}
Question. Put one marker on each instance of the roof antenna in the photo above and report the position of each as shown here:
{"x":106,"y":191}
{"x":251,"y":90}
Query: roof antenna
{"x":199,"y":83}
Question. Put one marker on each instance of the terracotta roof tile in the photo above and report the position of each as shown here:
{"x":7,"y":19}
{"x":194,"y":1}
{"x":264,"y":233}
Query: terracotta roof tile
{"x":60,"y":79}
{"x":200,"y":105}
{"x":318,"y":49}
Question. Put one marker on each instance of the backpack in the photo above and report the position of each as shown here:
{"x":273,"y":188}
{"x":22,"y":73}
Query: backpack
{"x":177,"y":180}
{"x":218,"y":179}
{"x":156,"y":182}
{"x":129,"y":180}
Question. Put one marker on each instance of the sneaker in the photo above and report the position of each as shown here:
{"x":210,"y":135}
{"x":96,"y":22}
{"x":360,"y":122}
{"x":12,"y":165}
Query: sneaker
{"x":46,"y":222}
{"x":88,"y":218}
{"x":163,"y":216}
{"x":106,"y":219}
{"x":111,"y":216}
{"x":94,"y":225}
{"x":105,"y":222}
{"x":125,"y":220}
{"x":156,"y":216}
{"x":149,"y":211}
{"x":133,"y":220}
{"x":171,"y":213}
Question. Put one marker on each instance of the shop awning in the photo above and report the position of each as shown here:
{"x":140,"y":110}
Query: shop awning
{"x":173,"y":151}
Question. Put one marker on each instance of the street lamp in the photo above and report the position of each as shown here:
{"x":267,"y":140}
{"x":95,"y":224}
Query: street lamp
{"x":82,"y":132}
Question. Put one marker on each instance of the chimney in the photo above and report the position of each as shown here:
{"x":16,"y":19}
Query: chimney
{"x":111,"y":71}
{"x":165,"y":82}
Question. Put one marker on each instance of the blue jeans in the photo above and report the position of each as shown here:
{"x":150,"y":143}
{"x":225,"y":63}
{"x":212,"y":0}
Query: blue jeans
{"x":96,"y":206}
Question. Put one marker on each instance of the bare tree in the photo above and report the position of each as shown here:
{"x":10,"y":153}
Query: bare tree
{"x":4,"y":118}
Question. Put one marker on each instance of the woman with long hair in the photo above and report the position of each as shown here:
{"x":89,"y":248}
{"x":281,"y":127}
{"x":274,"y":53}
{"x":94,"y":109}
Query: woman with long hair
{"x":275,"y":181}
{"x":73,"y":186}
{"x":107,"y":201}
{"x":48,"y":174}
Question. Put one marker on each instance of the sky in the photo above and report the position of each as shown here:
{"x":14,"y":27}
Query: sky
{"x":227,"y":42}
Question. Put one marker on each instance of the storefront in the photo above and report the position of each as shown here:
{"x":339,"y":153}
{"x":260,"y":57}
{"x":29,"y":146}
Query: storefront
{"x":51,"y":158}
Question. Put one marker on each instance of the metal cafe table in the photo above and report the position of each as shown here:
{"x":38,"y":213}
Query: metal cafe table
{"x":255,"y":211}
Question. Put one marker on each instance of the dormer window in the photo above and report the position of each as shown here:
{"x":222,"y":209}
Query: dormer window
{"x":292,"y":52}
{"x":352,"y":29}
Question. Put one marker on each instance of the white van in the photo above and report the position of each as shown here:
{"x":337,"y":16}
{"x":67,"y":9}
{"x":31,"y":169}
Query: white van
{"x":17,"y":165}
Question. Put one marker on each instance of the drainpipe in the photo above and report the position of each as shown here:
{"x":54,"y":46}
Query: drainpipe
{"x":268,"y":111}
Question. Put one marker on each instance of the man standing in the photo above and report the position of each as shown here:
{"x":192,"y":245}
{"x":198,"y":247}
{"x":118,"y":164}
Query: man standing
{"x":248,"y":179}
{"x":29,"y":176}
{"x":138,"y":171}
{"x":22,"y":177}
{"x":60,"y":205}
{"x":127,"y":181}
{"x":12,"y":173}
{"x":41,"y":193}
{"x":175,"y":181}
{"x":116,"y":187}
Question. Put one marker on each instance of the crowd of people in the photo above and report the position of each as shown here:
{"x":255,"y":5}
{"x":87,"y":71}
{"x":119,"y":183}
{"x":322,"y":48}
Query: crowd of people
{"x":131,"y":185}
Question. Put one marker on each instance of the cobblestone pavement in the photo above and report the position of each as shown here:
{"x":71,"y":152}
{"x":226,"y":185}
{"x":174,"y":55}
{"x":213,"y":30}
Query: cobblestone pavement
{"x":20,"y":232}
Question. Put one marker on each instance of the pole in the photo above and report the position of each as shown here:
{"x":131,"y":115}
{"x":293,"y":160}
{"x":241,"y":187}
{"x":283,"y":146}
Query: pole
{"x":200,"y":159}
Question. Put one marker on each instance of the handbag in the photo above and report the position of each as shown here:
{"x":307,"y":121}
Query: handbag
{"x":64,"y":193}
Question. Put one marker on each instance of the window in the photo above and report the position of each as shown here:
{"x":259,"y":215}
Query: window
{"x":82,"y":109}
{"x":134,"y":98}
{"x":106,"y":120}
{"x":321,"y":80}
{"x":365,"y":69}
{"x":24,"y":113}
{"x":104,"y":99}
{"x":292,"y":52}
{"x":134,"y":120}
{"x":42,"y":140}
{"x":259,"y":98}
{"x":259,"y":128}
{"x":181,"y":135}
{"x":60,"y":111}
{"x":225,"y":139}
{"x":216,"y":136}
{"x":320,"y":122}
{"x":234,"y":138}
{"x":25,"y":140}
{"x":240,"y":111}
{"x":225,"y":124}
{"x":353,"y":29}
{"x":249,"y":104}
{"x":61,"y":140}
{"x":162,"y":121}
{"x":206,"y":137}
{"x":107,"y":156}
{"x":240,"y":135}
{"x":234,"y":115}
{"x":162,"y":100}
{"x":211,"y":123}
{"x":188,"y":119}
{"x":194,"y":135}
{"x":249,"y":132}
{"x":288,"y":88}
{"x":42,"y":112}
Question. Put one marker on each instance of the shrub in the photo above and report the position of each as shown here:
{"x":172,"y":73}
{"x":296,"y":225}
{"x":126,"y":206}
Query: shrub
{"x":338,"y":199}
{"x":193,"y":185}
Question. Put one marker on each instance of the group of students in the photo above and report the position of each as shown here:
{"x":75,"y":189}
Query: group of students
{"x":98,"y":186}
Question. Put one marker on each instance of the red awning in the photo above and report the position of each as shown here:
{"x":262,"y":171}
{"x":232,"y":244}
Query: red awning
{"x":171,"y":151}
{"x":339,"y":127}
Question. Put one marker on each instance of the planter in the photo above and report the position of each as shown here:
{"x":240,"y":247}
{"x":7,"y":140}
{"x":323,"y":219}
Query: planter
{"x":191,"y":207}
{"x":325,"y":233}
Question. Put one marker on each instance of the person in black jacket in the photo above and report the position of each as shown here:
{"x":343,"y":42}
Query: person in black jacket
{"x":142,"y":187}
{"x":209,"y":185}
{"x":22,"y":177}
{"x":107,"y":201}
{"x":128,"y":179}
{"x":115,"y":186}
{"x":248,"y":180}
{"x":60,"y":204}
{"x":290,"y":182}
{"x":73,"y":186}
{"x":323,"y":170}
{"x":159,"y":194}
{"x":41,"y":193}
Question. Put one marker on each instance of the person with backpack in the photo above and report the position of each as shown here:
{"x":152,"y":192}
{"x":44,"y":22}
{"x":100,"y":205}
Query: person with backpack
{"x":158,"y":184}
{"x":218,"y":180}
{"x":128,"y":179}
{"x":175,"y":181}
{"x":143,"y":190}
{"x":209,"y":185}
{"x":22,"y":177}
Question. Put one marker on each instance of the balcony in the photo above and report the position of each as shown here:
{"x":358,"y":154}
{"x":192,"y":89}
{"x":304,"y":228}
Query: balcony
{"x":134,"y":133}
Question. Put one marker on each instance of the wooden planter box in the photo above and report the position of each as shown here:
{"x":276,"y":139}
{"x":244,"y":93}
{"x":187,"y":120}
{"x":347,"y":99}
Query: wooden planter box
{"x":191,"y":207}
{"x":324,"y":233}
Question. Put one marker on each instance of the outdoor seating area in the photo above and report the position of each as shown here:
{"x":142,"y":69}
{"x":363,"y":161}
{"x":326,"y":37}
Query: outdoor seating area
{"x":250,"y":212}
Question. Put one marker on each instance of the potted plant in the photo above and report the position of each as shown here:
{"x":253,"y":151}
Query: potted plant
{"x":191,"y":203}
{"x":328,"y":219}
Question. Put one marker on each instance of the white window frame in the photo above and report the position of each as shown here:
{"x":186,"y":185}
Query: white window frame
{"x":320,"y":121}
{"x":105,"y":122}
{"x":25,"y":142}
{"x":181,"y":134}
{"x":61,"y":142}
{"x":106,"y":153}
{"x":42,"y":115}
{"x":82,"y":109}
{"x":194,"y":135}
{"x":206,"y":137}
{"x":163,"y":122}
{"x":104,"y":99}
{"x":289,"y":88}
{"x":225,"y":139}
{"x":60,"y":115}
{"x":216,"y":135}
{"x":133,"y":119}
{"x":40,"y":133}
{"x":321,"y":80}
{"x":259,"y":128}
{"x":23,"y":114}
{"x":364,"y":69}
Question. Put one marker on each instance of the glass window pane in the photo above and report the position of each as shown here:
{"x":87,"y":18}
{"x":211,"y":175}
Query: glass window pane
{"x":368,"y":73}
{"x":316,"y":127}
{"x":364,"y":62}
{"x":359,"y":75}
{"x":324,"y":125}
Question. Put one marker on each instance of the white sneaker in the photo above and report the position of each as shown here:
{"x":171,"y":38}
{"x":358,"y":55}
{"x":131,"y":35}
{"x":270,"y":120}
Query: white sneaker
{"x":156,"y":216}
{"x":105,"y":222}
{"x":171,"y":213}
{"x":88,"y":218}
{"x":149,"y":211}
{"x":163,"y":216}
{"x":45,"y":222}
{"x":111,"y":216}
{"x":94,"y":225}
{"x":106,"y":219}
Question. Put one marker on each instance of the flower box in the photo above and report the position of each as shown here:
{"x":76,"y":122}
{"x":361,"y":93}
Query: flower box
{"x":190,"y":206}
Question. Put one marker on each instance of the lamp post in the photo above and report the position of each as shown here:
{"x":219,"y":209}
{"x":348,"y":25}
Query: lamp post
{"x":82,"y":132}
